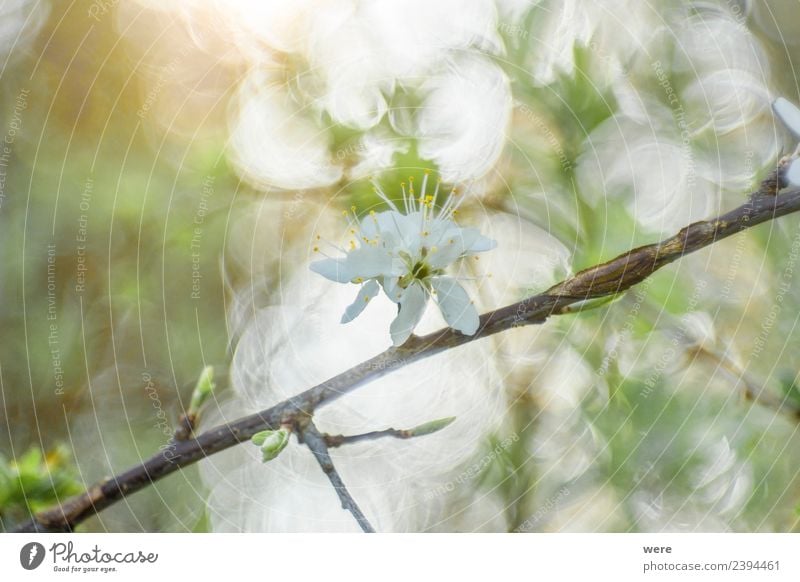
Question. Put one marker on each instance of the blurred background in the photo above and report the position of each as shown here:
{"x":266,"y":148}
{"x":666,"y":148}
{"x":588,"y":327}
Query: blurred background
{"x":165,"y":167}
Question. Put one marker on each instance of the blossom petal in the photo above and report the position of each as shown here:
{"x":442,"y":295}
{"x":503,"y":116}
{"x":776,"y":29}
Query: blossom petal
{"x":368,"y":262}
{"x":455,"y":242}
{"x":398,"y":228}
{"x":789,"y":114}
{"x":792,"y":174}
{"x":365,"y":262}
{"x":455,"y":304}
{"x":481,"y":243}
{"x":409,"y":230}
{"x":392,"y":288}
{"x":368,"y":291}
{"x":440,"y":256}
{"x":334,"y":269}
{"x":412,"y":306}
{"x":381,"y":223}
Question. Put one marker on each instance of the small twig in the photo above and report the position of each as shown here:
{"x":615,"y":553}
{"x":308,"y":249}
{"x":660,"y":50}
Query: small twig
{"x":775,"y":181}
{"x":399,"y":433}
{"x":309,"y":435}
{"x":752,"y":391}
{"x":337,"y":440}
{"x":186,"y":424}
{"x":769,"y":400}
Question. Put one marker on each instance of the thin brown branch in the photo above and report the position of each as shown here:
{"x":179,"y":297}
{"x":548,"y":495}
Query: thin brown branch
{"x":309,"y":435}
{"x":752,"y":390}
{"x":769,"y":400}
{"x":603,"y":280}
{"x":399,"y":433}
{"x":337,"y":440}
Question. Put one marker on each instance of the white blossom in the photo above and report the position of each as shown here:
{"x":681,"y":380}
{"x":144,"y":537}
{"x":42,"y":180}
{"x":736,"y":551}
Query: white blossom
{"x":273,"y":143}
{"x":463,"y":121}
{"x":405,"y":254}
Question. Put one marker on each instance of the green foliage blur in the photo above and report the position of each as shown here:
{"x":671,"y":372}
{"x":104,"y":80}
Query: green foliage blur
{"x":105,"y":228}
{"x":35,"y":482}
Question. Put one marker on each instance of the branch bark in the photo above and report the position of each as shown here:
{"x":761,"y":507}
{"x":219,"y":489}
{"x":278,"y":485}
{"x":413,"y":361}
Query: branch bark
{"x":316,"y":443}
{"x":612,"y":277}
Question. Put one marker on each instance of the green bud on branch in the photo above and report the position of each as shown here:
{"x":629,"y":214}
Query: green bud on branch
{"x":202,"y":390}
{"x":430,"y":427}
{"x":272,"y":442}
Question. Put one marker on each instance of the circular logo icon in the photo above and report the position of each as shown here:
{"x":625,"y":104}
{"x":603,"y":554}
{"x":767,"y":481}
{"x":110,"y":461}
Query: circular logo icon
{"x":31,"y":555}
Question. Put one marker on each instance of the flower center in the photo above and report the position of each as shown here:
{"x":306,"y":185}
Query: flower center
{"x":418,"y":269}
{"x":421,"y":270}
